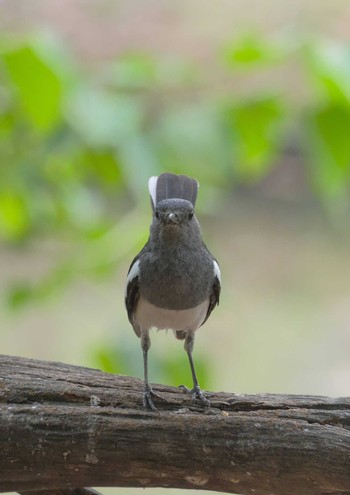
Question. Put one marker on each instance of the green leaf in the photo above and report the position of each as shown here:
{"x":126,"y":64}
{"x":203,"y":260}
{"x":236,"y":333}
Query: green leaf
{"x":38,"y":84}
{"x":251,"y":50}
{"x":109,"y":359}
{"x":328,"y":147}
{"x":19,"y":295}
{"x":104,"y":166}
{"x":14,"y":219}
{"x":328,"y":64}
{"x":256,"y":127}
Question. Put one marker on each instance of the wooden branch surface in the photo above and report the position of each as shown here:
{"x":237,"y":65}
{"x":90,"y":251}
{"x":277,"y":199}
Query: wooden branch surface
{"x":65,"y":427}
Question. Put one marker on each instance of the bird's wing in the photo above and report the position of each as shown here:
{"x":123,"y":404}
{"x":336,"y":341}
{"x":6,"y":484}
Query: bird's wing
{"x":215,"y":291}
{"x":132,"y":287}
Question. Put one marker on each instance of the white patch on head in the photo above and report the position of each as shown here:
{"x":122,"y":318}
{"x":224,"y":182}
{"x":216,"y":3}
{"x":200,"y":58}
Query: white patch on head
{"x":134,"y":272}
{"x":152,"y":187}
{"x":217,"y":272}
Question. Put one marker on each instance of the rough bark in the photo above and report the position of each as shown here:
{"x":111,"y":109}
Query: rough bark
{"x":64,"y":427}
{"x":63,"y":491}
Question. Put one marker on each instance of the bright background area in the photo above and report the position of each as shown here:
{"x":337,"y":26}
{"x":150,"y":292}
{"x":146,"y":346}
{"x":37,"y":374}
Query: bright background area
{"x":253,"y":99}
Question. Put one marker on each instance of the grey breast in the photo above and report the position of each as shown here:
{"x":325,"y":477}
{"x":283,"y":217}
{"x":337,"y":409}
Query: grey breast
{"x":177,"y":282}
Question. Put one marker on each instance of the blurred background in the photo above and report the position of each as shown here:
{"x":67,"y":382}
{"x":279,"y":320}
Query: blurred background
{"x":253,"y":99}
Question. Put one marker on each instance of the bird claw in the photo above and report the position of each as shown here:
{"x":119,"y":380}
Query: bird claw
{"x":196,"y":394}
{"x":148,"y":394}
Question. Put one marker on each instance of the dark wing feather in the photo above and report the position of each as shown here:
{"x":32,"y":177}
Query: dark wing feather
{"x":132,"y":292}
{"x":171,"y":186}
{"x":214,"y":298}
{"x":131,"y":300}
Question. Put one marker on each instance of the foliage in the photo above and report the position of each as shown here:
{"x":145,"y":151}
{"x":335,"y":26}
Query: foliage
{"x":77,"y":147}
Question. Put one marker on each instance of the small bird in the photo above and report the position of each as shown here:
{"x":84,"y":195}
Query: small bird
{"x":174,"y":281}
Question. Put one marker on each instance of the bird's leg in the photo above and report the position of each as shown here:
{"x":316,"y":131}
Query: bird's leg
{"x":196,"y":391}
{"x":147,"y":389}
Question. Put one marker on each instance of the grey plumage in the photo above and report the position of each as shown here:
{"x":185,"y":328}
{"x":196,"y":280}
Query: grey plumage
{"x":174,"y":282}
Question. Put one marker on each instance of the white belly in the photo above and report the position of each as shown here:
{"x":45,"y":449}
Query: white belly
{"x":149,"y":316}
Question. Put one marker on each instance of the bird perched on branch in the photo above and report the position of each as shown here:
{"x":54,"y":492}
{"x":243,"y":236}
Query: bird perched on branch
{"x":174,"y":282}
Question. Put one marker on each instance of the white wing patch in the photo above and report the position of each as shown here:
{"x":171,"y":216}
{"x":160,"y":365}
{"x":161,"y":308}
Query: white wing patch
{"x":217,"y":272}
{"x":134,"y":272}
{"x":152,"y":187}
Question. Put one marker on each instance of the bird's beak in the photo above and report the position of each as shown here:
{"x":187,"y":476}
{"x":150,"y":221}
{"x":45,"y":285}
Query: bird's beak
{"x":172,"y":218}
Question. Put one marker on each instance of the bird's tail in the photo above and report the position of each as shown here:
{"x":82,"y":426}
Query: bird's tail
{"x":180,"y":334}
{"x":169,"y":186}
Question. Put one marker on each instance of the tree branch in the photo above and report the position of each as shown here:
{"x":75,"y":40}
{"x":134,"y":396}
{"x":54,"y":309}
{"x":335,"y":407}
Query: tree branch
{"x":64,"y":427}
{"x":63,"y":491}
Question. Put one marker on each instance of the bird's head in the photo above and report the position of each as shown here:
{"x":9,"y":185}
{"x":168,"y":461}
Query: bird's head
{"x":173,"y":217}
{"x":174,"y":212}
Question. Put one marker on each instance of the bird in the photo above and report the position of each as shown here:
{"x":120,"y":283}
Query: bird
{"x":174,"y":282}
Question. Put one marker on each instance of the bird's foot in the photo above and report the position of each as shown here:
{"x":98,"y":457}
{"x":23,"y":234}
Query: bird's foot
{"x":148,"y":395}
{"x":197,"y":394}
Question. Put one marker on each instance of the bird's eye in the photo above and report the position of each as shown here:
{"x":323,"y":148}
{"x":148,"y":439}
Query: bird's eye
{"x":157,"y":214}
{"x":190,"y":215}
